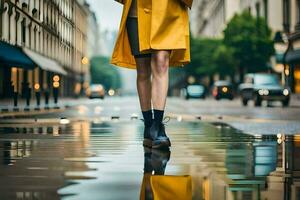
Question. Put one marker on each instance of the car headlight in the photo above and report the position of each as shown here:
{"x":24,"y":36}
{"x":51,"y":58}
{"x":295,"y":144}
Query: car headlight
{"x":286,"y":92}
{"x":225,"y":89}
{"x":111,"y":92}
{"x":266,"y":92}
{"x":263,"y":92}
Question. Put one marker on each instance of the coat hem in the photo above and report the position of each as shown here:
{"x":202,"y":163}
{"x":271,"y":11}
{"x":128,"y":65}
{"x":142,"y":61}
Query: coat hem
{"x":123,"y":64}
{"x":133,"y":66}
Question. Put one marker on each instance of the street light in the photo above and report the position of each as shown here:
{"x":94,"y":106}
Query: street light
{"x":56,"y":85}
{"x":84,"y":61}
{"x":56,"y":78}
{"x":37,"y":95}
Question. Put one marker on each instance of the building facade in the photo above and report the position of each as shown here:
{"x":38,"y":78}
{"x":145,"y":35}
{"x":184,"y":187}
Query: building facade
{"x":212,"y":16}
{"x":93,"y":36}
{"x":282,"y":16}
{"x":46,"y":32}
{"x":86,"y":42}
{"x":291,"y":24}
{"x":80,"y":45}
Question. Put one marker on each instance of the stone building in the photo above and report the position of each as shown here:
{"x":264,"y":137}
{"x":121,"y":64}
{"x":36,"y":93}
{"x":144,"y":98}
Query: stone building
{"x":86,"y":42}
{"x":49,"y":38}
{"x":210,"y":16}
{"x":93,"y":36}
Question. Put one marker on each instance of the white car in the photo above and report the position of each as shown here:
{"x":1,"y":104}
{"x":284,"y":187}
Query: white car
{"x":96,"y":91}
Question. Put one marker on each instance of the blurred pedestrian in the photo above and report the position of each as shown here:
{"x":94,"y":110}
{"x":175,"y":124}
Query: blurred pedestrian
{"x":153,"y":35}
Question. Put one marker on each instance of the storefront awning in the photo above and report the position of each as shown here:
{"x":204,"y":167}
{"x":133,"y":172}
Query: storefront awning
{"x":13,"y":56}
{"x":45,"y":63}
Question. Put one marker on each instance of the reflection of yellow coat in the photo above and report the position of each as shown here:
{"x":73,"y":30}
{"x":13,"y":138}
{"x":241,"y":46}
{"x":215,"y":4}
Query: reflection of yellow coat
{"x":162,"y":25}
{"x":166,"y":187}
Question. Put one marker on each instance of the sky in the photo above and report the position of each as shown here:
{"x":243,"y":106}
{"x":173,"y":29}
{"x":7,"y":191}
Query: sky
{"x":108,"y":13}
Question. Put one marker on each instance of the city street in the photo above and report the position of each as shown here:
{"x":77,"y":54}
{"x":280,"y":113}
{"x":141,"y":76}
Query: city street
{"x":268,"y":119}
{"x":93,"y":150}
{"x":222,"y":76}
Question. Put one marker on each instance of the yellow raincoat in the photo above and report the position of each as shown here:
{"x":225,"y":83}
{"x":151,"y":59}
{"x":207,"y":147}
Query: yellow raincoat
{"x":162,"y":25}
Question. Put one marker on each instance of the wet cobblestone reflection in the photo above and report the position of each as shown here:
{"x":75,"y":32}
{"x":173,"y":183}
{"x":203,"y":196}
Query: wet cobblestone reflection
{"x":106,"y":160}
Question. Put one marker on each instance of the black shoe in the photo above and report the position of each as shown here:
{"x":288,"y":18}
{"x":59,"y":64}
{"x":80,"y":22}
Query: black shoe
{"x":159,"y":136}
{"x":147,"y":138}
{"x":159,"y":161}
{"x":147,"y":161}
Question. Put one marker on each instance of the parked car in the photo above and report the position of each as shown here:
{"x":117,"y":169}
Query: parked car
{"x":96,"y":91}
{"x":222,"y":90}
{"x":261,"y":86}
{"x":195,"y":91}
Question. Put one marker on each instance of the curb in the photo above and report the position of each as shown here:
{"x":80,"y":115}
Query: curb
{"x":11,"y":112}
{"x":29,"y":113}
{"x":30,"y":121}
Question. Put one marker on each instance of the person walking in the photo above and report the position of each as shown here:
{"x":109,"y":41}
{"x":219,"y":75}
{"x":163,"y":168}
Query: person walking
{"x":153,"y":35}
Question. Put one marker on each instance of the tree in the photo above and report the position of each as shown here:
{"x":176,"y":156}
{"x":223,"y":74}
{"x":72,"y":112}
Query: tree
{"x":224,"y":62}
{"x":209,"y":57}
{"x":104,"y":73}
{"x":202,"y":63}
{"x":250,"y":40}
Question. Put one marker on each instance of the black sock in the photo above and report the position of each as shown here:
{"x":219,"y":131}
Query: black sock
{"x":147,"y":115}
{"x":158,"y":115}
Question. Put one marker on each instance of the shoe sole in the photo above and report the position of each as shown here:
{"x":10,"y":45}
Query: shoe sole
{"x":164,"y":145}
{"x":147,"y":143}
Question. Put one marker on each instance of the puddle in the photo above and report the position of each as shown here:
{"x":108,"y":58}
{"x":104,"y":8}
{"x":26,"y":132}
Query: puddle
{"x":105,"y":160}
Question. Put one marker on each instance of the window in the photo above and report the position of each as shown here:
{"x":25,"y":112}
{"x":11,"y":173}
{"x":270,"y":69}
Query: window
{"x":23,"y":31}
{"x":298,"y":16}
{"x":17,"y":31}
{"x":35,"y":39}
{"x":248,"y":79}
{"x":286,"y":15}
{"x":266,"y":79}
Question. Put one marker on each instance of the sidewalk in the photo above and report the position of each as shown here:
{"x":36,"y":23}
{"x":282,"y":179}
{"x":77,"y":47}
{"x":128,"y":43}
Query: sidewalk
{"x":7,"y":108}
{"x":295,"y":100}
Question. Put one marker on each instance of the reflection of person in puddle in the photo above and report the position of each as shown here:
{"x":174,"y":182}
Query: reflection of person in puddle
{"x":158,"y":186}
{"x":155,"y":162}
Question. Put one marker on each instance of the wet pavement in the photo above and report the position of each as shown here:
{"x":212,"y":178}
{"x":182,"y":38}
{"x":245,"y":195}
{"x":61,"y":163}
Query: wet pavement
{"x":95,"y":159}
{"x":253,"y":120}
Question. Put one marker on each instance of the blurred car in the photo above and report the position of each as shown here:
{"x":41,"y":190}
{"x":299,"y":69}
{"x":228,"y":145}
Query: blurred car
{"x":260,"y":86}
{"x":222,"y":90}
{"x":96,"y":91}
{"x":195,"y":91}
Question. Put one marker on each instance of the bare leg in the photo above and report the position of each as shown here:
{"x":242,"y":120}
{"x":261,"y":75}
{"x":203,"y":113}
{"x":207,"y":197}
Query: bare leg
{"x":144,"y":82}
{"x":160,"y":78}
{"x":160,"y":82}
